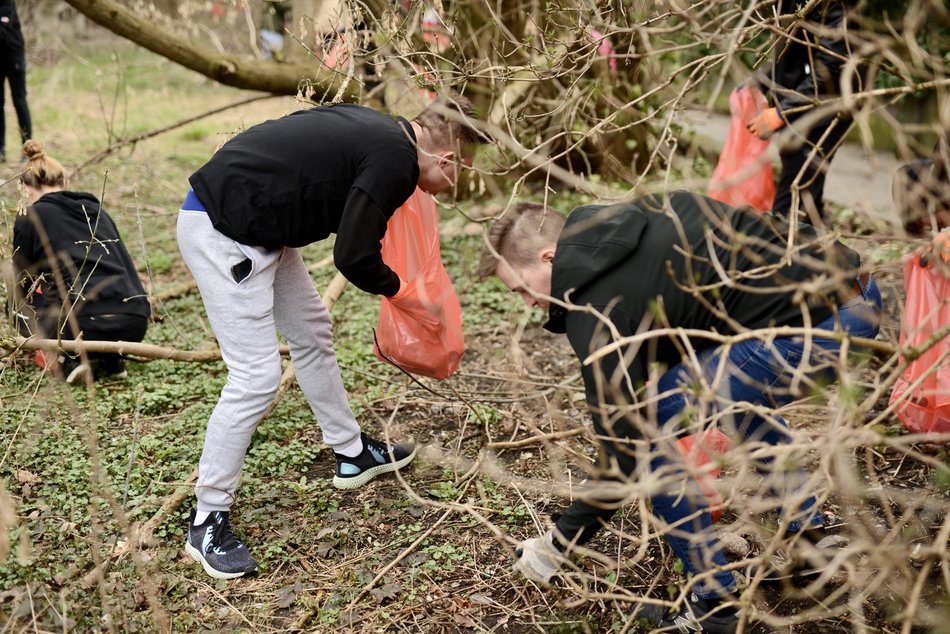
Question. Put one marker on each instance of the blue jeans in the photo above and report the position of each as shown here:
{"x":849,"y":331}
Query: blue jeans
{"x":760,"y":373}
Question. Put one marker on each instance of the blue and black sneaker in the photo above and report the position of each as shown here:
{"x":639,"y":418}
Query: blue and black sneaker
{"x":375,"y":459}
{"x":694,"y":615}
{"x":214,"y":546}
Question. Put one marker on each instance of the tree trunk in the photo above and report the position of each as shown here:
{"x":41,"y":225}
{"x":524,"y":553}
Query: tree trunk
{"x":230,"y":70}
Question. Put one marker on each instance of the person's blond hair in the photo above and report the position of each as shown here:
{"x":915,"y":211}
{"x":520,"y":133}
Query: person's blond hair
{"x":518,"y":235}
{"x":41,"y":170}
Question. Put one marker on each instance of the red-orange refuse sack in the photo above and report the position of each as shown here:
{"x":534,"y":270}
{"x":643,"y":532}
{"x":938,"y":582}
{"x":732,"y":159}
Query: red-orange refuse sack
{"x":699,"y":450}
{"x":921,"y":396}
{"x":421,"y":332}
{"x":743,"y":175}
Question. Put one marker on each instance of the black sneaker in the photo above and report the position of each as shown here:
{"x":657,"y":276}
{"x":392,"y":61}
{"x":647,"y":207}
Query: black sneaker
{"x":214,"y":546}
{"x":112,"y":366}
{"x":375,"y":459}
{"x":695,"y":615}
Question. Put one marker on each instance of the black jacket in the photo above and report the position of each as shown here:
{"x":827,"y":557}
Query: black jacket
{"x":639,"y":264}
{"x":99,"y":277}
{"x":807,"y":64}
{"x":11,"y":37}
{"x":341,"y":169}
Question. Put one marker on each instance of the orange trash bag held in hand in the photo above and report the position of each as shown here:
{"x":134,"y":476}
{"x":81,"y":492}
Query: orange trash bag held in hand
{"x":743,"y":175}
{"x":921,"y":396}
{"x":421,"y":331}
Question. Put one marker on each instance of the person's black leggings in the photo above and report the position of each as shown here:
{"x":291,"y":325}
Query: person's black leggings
{"x":798,"y":159}
{"x":108,"y":327}
{"x":13,"y":70}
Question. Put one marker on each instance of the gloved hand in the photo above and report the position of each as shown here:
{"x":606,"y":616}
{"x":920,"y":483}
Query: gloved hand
{"x":937,"y":253}
{"x":764,"y":124}
{"x":538,"y":558}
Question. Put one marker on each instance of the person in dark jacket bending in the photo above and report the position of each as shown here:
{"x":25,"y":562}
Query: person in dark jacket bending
{"x":686,"y":262}
{"x":74,"y":273}
{"x":807,"y":66}
{"x":13,"y":70}
{"x":341,"y":169}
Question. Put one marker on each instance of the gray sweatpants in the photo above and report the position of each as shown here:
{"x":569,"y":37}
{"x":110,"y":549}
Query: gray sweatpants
{"x":277,"y":295}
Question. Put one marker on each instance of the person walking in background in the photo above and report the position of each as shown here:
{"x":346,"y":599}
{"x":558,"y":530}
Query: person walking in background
{"x":75,"y":276}
{"x":806,"y":67}
{"x":277,"y":186}
{"x":13,"y":71}
{"x":609,"y":272}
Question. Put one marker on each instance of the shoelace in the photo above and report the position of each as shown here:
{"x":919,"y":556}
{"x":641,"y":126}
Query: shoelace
{"x":223,"y":538}
{"x":378,"y":449}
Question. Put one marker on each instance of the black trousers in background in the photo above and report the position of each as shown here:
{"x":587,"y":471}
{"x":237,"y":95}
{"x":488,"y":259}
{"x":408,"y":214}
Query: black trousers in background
{"x":44,"y":322}
{"x":13,"y":70}
{"x":798,"y":156}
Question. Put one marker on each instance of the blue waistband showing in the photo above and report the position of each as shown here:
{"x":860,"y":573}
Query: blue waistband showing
{"x":192,"y":203}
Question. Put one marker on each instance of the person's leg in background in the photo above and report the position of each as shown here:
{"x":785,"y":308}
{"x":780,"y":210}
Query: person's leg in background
{"x":805,"y":161}
{"x":18,"y":93}
{"x":5,"y":75}
{"x":236,"y":286}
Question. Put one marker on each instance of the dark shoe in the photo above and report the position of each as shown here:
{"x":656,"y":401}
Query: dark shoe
{"x":375,"y":459}
{"x":695,"y":615}
{"x":111,"y":367}
{"x":214,"y":546}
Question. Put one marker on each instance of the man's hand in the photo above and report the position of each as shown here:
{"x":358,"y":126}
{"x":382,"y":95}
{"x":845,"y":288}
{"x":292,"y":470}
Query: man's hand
{"x":403,"y":287}
{"x":538,"y":558}
{"x":764,"y":124}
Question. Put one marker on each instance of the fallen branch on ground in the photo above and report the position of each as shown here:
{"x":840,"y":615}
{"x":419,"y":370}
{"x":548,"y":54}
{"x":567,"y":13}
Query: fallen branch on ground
{"x":131,"y":348}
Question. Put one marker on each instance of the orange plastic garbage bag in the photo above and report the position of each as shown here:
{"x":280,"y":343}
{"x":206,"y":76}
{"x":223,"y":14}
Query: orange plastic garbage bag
{"x":743,"y":175}
{"x":699,"y":450}
{"x":421,"y":332}
{"x":921,"y":396}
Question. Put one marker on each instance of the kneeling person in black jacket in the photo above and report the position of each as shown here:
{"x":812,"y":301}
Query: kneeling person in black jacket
{"x":75,"y":274}
{"x":690,"y":265}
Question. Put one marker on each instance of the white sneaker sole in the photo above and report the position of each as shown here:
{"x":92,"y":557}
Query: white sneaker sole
{"x":357,"y":481}
{"x":217,"y":574}
{"x":78,"y":372}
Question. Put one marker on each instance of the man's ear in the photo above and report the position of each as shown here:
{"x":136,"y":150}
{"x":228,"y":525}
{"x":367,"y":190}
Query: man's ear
{"x":447,"y":157}
{"x":546,"y":254}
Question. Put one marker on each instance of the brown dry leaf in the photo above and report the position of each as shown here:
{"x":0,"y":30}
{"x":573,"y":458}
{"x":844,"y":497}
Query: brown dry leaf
{"x":387,"y":591}
{"x":26,"y":477}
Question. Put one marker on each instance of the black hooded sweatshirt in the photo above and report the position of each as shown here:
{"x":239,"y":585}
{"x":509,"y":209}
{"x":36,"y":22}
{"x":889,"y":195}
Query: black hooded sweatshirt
{"x":634,"y":263}
{"x":99,"y":277}
{"x":807,"y":64}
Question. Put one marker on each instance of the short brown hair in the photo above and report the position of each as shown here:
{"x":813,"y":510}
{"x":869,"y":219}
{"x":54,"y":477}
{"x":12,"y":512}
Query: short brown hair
{"x":518,"y":235}
{"x":41,"y":170}
{"x":448,"y":120}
